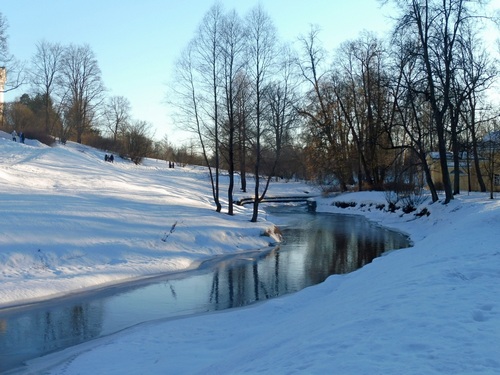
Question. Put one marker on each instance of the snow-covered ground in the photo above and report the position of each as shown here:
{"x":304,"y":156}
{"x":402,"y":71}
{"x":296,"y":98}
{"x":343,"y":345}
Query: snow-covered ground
{"x":71,"y":221}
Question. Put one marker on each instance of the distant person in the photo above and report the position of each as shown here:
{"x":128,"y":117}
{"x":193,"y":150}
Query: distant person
{"x":14,"y":135}
{"x":21,"y":137}
{"x":106,"y":157}
{"x":111,"y":158}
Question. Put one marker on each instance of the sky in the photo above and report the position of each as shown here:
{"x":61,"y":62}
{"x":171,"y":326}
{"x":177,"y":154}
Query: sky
{"x":71,"y":222}
{"x":138,"y":42}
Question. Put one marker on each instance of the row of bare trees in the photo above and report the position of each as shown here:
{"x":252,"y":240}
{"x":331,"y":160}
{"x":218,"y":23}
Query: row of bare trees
{"x":380,"y":109}
{"x":371,"y":116}
{"x":383,"y":106}
{"x":67,"y":100}
{"x":8,"y":61}
{"x":234,"y":89}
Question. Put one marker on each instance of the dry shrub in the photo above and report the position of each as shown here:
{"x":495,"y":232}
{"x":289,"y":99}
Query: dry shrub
{"x":40,"y":136}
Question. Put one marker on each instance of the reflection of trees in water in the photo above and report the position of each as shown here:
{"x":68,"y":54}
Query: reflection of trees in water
{"x":47,"y":330}
{"x":277,"y":273}
{"x":214,"y":292}
{"x":342,"y":246}
{"x":50,"y":333}
{"x":329,"y":244}
{"x":239,"y":285}
{"x":318,"y":246}
{"x":75,"y":324}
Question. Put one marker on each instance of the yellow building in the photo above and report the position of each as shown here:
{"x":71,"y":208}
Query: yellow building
{"x":489,"y":165}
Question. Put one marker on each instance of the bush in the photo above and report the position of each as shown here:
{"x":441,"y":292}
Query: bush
{"x":40,"y":136}
{"x":408,"y":209}
{"x":410,"y":196}
{"x":344,"y":204}
{"x":423,"y":212}
{"x":392,"y":207}
{"x":412,"y":199}
{"x":328,"y":189}
{"x":99,"y":142}
{"x":392,"y":198}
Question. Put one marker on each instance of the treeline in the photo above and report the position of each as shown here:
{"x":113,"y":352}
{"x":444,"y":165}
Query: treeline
{"x":368,"y":118}
{"x":67,"y":101}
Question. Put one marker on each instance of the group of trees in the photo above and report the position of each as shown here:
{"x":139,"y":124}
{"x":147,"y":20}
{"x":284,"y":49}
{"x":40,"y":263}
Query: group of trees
{"x":387,"y":107}
{"x":67,"y":100}
{"x":235,"y":89}
{"x":369,"y":117}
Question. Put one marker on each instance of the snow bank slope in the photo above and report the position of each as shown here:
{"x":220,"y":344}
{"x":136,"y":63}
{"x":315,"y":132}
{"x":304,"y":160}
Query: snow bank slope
{"x":72,"y":221}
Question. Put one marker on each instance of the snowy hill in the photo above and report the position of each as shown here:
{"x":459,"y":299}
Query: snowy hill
{"x":70,"y":220}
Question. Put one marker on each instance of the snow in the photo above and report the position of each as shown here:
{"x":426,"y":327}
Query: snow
{"x":71,"y":221}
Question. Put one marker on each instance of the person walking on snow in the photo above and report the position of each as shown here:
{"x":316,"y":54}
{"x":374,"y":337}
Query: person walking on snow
{"x":14,"y":135}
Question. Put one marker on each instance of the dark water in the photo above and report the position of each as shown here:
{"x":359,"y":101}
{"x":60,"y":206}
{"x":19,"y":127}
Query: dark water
{"x":316,"y":246}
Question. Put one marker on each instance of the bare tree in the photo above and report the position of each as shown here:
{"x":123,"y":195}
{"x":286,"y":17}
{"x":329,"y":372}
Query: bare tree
{"x":138,"y":141}
{"x":327,"y":137}
{"x":281,"y":117}
{"x":117,"y":115}
{"x":209,"y":67}
{"x":81,"y":77}
{"x":189,"y":106}
{"x":165,"y":149}
{"x":261,"y":53}
{"x":242,"y":109}
{"x":4,"y":47}
{"x":12,"y":73}
{"x":435,"y":28}
{"x":232,"y":49}
{"x":45,"y":73}
{"x":15,"y":69}
{"x":361,"y":88}
{"x":198,"y":91}
{"x":478,"y":73}
{"x":411,"y":113}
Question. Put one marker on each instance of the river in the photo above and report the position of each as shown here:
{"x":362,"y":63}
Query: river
{"x":315,"y":247}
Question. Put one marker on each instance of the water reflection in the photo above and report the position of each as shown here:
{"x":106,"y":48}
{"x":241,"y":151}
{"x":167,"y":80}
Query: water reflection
{"x":317,"y":245}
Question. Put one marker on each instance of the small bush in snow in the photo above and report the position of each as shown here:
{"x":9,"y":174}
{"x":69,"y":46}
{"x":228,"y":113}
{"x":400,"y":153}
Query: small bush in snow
{"x":344,"y":204}
{"x":423,"y":212}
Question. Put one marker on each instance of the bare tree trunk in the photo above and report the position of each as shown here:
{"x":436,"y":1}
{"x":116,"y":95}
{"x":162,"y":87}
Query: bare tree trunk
{"x":262,"y":40}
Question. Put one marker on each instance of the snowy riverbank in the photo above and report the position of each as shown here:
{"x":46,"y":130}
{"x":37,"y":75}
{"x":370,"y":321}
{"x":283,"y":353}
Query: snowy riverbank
{"x":429,"y":309}
{"x":71,"y":221}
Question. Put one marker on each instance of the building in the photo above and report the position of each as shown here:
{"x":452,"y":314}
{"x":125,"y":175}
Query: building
{"x":489,"y":164}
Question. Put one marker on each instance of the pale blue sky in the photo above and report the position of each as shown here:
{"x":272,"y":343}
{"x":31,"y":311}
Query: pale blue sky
{"x":138,"y":42}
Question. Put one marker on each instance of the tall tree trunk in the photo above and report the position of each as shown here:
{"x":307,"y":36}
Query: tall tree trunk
{"x":231,"y":168}
{"x":477,"y":163}
{"x":443,"y":161}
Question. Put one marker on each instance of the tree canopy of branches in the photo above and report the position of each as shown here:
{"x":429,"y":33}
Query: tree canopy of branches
{"x":224,"y":95}
{"x":4,"y":49}
{"x":371,"y":115}
{"x":117,"y":115}
{"x":81,"y":76}
{"x":45,"y":74}
{"x":436,"y":32}
{"x":12,"y":69}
